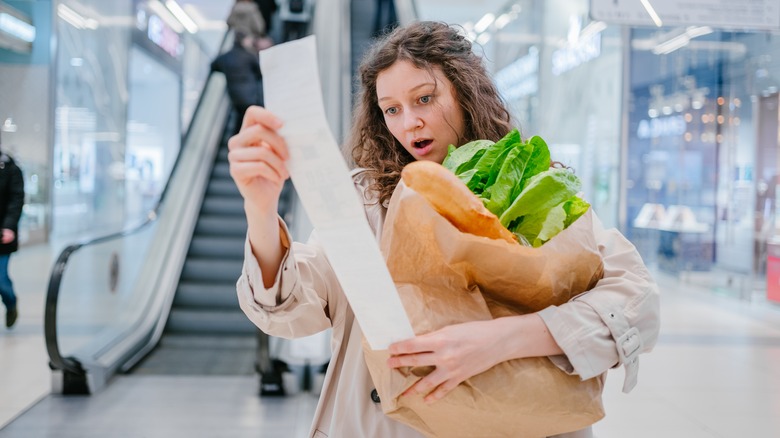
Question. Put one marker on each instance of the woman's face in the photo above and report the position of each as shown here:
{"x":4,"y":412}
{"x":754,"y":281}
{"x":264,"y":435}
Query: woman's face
{"x":420,"y":110}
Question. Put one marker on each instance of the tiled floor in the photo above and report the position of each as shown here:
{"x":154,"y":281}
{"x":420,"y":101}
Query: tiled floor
{"x":24,"y":370}
{"x":715,"y":373}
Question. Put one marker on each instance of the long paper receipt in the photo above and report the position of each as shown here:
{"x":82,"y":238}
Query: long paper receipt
{"x":292,"y":91}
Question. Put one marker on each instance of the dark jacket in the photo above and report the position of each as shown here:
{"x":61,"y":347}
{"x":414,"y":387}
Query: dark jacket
{"x":242,"y":73}
{"x":11,"y":200}
{"x":267,"y":9}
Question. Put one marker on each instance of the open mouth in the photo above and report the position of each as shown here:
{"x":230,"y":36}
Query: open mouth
{"x":422,"y":144}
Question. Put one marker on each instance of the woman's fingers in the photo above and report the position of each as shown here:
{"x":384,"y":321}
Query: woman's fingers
{"x":248,"y":163}
{"x":257,"y":115}
{"x":457,"y":352}
{"x":414,"y":345}
{"x":248,"y":171}
{"x":434,"y":386}
{"x":412,"y":360}
{"x":442,"y":390}
{"x":257,"y":134}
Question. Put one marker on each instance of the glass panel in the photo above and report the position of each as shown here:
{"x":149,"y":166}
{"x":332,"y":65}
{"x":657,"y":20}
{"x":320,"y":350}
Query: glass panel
{"x":99,"y":298}
{"x":703,"y":131}
{"x":152,"y":132}
{"x":90,"y":114}
{"x":113,"y":292}
{"x":561,"y":73}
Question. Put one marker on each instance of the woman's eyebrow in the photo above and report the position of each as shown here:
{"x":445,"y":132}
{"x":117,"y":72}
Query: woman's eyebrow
{"x":412,"y":90}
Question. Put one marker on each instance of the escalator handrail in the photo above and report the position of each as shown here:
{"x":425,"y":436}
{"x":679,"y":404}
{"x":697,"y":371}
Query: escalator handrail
{"x":70,"y":364}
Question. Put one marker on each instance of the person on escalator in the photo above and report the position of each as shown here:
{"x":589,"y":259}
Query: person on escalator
{"x":385,"y":18}
{"x":267,"y":9}
{"x":422,"y":88}
{"x":295,"y":16}
{"x":245,"y":18}
{"x":241,"y":67}
{"x":11,"y":202}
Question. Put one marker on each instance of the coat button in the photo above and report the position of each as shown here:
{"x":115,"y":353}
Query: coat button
{"x":375,"y":396}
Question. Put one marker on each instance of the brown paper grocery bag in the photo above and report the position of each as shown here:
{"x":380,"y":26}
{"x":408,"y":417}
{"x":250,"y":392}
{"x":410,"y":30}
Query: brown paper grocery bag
{"x":445,"y":277}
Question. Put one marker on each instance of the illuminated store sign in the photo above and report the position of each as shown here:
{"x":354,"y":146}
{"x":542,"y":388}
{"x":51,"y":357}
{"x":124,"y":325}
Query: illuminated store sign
{"x":158,"y":26}
{"x":164,"y":36}
{"x":672,"y":126}
{"x":520,"y":78}
{"x":580,"y":47}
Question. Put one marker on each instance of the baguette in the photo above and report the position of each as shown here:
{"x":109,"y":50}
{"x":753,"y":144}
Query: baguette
{"x":452,"y":199}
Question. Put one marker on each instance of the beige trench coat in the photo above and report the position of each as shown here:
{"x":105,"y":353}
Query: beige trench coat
{"x":601,"y":329}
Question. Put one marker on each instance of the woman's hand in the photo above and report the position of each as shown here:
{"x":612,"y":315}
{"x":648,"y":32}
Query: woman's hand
{"x":457,"y":351}
{"x":461,"y":351}
{"x":256,"y":155}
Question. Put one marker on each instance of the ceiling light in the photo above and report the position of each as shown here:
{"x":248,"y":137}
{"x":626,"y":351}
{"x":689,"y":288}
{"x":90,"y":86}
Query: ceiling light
{"x":671,"y":45}
{"x":651,"y":11}
{"x":17,"y":28}
{"x":182,"y":16}
{"x":165,"y":15}
{"x":591,"y":29}
{"x":484,"y":22}
{"x":681,"y":40}
{"x":483,"y":38}
{"x":75,"y":19}
{"x":694,"y":32}
{"x":503,"y":20}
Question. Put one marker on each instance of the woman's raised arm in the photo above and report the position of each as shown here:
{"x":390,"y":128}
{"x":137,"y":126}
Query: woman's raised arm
{"x":257,"y":157}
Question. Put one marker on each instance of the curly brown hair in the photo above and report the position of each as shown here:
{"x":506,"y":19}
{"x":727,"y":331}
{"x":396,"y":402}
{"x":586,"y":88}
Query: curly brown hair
{"x":427,"y":45}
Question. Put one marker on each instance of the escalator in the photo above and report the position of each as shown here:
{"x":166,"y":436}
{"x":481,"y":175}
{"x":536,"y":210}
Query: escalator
{"x":158,"y":297}
{"x":206,"y":332}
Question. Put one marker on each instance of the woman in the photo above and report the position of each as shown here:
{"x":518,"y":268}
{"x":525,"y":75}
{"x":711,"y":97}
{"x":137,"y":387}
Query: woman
{"x":422,"y":89}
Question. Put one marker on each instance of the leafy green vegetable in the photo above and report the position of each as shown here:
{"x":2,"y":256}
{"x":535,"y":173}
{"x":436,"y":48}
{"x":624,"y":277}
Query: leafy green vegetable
{"x":542,"y":192}
{"x":465,"y":157}
{"x":477,"y":177}
{"x":498,"y":196}
{"x":515,"y":182}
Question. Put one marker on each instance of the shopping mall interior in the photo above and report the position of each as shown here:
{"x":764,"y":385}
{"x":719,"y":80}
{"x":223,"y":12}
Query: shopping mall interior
{"x":132,"y":235}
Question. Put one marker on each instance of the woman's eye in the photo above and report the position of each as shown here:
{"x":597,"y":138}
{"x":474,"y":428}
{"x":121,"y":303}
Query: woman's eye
{"x":391,"y":110}
{"x":426,"y":99}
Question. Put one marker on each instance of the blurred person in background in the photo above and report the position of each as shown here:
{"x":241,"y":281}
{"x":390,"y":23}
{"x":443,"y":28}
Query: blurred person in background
{"x":11,"y":202}
{"x":295,"y":16}
{"x":245,"y":18}
{"x":241,"y":67}
{"x":267,"y":9}
{"x":385,"y":18}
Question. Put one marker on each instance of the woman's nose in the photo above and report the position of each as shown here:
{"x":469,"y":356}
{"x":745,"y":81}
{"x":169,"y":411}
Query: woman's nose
{"x":412,"y":120}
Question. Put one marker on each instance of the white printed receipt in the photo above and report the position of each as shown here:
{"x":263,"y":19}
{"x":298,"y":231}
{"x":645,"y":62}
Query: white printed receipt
{"x":292,"y":91}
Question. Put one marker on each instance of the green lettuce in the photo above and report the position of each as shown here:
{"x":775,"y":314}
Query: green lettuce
{"x":514,"y":180}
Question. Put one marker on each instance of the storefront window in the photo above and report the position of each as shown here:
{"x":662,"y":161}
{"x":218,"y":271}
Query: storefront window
{"x":687,"y":114}
{"x":90,"y":114}
{"x":703,"y":139}
{"x":560,"y":73}
{"x":120,"y":111}
{"x":152,"y":132}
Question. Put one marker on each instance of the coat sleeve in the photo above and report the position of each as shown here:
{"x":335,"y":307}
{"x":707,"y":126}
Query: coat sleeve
{"x":299,"y":302}
{"x":614,"y":322}
{"x":15,"y":199}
